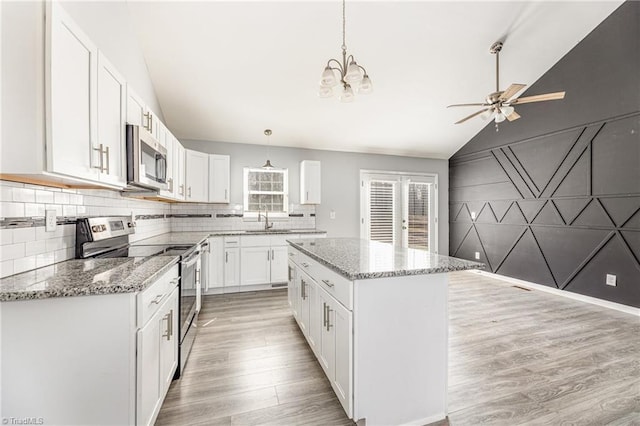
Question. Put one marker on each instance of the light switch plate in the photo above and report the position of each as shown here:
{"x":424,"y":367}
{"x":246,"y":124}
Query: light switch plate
{"x":332,"y":214}
{"x":611,"y":280}
{"x":473,"y":215}
{"x":477,"y":256}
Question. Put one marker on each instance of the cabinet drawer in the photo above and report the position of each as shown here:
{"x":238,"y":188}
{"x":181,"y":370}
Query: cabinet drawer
{"x":255,"y":241}
{"x":232,"y":241}
{"x":293,"y":254}
{"x":150,"y":300}
{"x":335,"y":284}
{"x":281,"y":240}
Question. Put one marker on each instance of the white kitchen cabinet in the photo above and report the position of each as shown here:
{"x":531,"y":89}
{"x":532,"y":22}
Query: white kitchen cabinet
{"x":148,"y":377}
{"x":197,"y":176}
{"x":327,"y":345}
{"x":72,"y":98}
{"x":219,"y":180}
{"x":111,"y":123}
{"x":310,"y":182}
{"x":168,"y":143}
{"x":216,"y":263}
{"x":255,"y":265}
{"x":169,"y":316}
{"x":340,"y":320}
{"x":179,"y":171}
{"x":292,"y":289}
{"x":279,"y":264}
{"x":231,"y":266}
{"x":139,"y":114}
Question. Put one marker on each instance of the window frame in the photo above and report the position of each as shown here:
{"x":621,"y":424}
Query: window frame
{"x":246,"y":193}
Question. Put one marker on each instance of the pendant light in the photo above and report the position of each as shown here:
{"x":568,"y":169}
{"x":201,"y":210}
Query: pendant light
{"x":268,"y":165}
{"x":349,"y":73}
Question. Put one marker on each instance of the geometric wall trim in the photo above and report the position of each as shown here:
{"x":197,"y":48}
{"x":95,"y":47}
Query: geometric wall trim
{"x":569,"y":240}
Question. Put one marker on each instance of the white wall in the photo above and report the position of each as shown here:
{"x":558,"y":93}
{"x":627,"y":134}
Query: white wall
{"x":340,"y":180}
{"x":111,"y":28}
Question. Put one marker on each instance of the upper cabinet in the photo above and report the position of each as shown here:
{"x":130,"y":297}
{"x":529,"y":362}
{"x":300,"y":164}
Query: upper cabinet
{"x":140,"y":114}
{"x":197,"y":176}
{"x":310,"y":187}
{"x":71,"y":101}
{"x":178,"y":171}
{"x":112,"y":112}
{"x":219,"y":170}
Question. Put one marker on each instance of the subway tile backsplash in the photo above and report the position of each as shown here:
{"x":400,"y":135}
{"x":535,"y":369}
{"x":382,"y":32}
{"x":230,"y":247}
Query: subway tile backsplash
{"x":25,"y":245}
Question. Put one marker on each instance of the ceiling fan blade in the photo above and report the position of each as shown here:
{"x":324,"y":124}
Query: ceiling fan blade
{"x":472,"y":115}
{"x":511,"y":90}
{"x":538,"y":98}
{"x":459,"y":105}
{"x":513,"y":116}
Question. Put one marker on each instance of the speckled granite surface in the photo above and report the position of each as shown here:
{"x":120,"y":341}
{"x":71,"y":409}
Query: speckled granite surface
{"x":83,"y":277}
{"x":197,"y":237}
{"x":362,"y":259}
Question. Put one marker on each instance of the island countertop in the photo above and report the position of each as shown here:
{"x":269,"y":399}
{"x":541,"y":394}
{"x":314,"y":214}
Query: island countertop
{"x":358,"y":259}
{"x":199,"y":237}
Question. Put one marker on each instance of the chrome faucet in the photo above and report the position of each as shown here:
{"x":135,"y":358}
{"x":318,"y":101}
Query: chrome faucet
{"x":267,"y":225}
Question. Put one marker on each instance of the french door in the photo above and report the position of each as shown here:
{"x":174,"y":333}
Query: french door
{"x":399,"y":209}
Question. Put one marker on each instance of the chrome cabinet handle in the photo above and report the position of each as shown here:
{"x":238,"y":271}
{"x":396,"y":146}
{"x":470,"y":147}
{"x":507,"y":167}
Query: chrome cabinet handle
{"x":304,"y":293}
{"x":307,"y":195}
{"x":171,"y":323}
{"x":147,"y":115}
{"x":181,"y":190}
{"x":189,"y":192}
{"x":157,"y":299}
{"x":329,"y":325}
{"x":170,"y":181}
{"x":324,"y":314}
{"x":290,"y":272}
{"x":168,"y":333}
{"x":268,"y":258}
{"x":225,"y":195}
{"x":151,"y":123}
{"x":106,"y":153}
{"x":101,"y":151}
{"x":329,"y":283}
{"x":291,"y":254}
{"x":273,"y":256}
{"x":226,"y":257}
{"x":305,"y":264}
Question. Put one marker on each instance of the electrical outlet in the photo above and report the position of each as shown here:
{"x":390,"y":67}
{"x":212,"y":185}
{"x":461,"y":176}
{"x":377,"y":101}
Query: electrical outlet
{"x":477,"y":256}
{"x":611,"y":280}
{"x":50,"y":220}
{"x":473,"y":215}
{"x":332,"y":214}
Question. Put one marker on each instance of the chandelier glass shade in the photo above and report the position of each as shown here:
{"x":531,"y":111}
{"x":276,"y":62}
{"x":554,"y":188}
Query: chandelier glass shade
{"x":347,"y":73}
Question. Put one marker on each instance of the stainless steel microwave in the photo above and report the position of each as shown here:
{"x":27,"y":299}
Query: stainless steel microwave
{"x":146,"y":160}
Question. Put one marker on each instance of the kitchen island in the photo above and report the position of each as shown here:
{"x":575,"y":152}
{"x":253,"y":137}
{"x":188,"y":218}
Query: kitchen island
{"x":376,"y":318}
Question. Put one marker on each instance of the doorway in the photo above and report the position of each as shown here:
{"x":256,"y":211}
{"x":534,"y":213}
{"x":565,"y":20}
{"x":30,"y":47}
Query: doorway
{"x":399,"y":208}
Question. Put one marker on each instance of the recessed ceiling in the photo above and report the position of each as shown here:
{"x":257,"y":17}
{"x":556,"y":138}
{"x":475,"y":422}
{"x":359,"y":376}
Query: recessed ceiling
{"x":225,"y":71}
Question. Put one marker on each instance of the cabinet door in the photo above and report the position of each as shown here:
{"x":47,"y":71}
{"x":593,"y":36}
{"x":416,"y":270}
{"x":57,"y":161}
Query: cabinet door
{"x":168,"y":325}
{"x":168,"y":144}
{"x":340,"y":320}
{"x":136,"y":110}
{"x":254,"y":265}
{"x":148,"y":372}
{"x":197,"y":176}
{"x":72,"y":103}
{"x":231,"y":266}
{"x":219,"y":169}
{"x":111,"y":123}
{"x":292,"y":289}
{"x":315,"y":317}
{"x":303,"y":314}
{"x":279,"y":264}
{"x":327,"y":352}
{"x":310,"y":188}
{"x":216,"y":263}
{"x":179,"y":172}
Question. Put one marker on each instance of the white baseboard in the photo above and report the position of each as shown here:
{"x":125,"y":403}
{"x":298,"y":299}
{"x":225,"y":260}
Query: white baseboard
{"x":588,"y":299}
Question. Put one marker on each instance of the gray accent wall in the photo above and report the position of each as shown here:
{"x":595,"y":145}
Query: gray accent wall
{"x":556,"y":194}
{"x":340,"y":180}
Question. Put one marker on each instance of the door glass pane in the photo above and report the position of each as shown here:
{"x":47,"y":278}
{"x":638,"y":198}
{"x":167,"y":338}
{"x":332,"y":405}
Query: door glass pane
{"x":418,"y":215}
{"x":381,"y":211}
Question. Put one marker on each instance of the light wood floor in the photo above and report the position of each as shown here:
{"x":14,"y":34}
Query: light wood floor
{"x":516,"y":357}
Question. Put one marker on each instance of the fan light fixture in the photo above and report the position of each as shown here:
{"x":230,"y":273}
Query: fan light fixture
{"x":268,"y":165}
{"x":350,"y":73}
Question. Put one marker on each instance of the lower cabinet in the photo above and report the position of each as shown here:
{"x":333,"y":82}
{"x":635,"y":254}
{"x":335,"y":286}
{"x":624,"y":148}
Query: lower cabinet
{"x":328,"y":327}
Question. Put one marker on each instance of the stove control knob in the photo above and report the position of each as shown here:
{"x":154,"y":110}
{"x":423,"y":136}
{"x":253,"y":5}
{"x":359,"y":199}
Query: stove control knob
{"x":103,"y":227}
{"x":129,"y":225}
{"x":95,"y":228}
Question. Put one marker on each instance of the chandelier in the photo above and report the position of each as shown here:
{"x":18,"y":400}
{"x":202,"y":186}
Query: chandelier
{"x":349,"y":74}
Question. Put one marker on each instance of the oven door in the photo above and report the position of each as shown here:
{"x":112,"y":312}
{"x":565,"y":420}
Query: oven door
{"x":189,"y":282}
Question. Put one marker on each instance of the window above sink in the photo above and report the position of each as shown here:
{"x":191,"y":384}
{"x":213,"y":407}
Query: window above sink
{"x":266,"y":190}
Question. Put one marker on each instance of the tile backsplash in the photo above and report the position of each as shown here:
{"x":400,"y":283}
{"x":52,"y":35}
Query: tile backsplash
{"x":24,"y":244}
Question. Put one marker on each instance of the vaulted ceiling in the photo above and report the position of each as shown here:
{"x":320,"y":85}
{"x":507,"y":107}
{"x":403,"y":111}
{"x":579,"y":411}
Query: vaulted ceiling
{"x":225,"y":71}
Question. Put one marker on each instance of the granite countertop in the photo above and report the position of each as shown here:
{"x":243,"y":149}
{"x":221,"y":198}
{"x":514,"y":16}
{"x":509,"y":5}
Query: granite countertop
{"x":363,"y":259}
{"x":84,"y":277}
{"x":198,"y":237}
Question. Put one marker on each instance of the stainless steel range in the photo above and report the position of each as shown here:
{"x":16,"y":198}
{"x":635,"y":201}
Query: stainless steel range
{"x":108,"y":237}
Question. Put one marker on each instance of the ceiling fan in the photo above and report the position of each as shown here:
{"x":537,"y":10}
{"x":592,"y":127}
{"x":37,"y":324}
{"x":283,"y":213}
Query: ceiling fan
{"x":499,"y":104}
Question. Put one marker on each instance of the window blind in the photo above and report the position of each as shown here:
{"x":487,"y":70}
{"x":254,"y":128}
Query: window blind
{"x":382,"y":214}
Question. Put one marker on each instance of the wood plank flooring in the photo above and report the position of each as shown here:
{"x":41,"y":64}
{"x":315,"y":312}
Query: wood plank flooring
{"x":516,"y":357}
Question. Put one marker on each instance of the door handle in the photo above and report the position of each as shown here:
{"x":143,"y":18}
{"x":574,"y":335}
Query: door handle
{"x":106,"y":153}
{"x":101,"y":152}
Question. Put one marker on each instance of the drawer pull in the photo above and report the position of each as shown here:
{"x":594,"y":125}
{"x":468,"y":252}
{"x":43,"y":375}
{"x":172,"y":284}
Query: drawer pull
{"x":157,"y":299}
{"x":291,"y":254}
{"x":329,"y":283}
{"x":305,"y":264}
